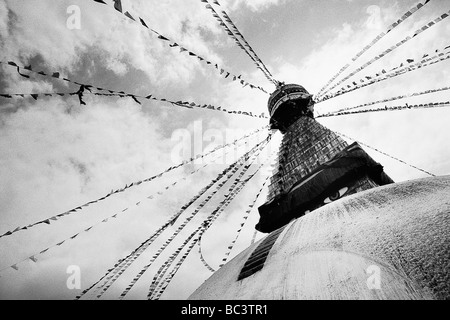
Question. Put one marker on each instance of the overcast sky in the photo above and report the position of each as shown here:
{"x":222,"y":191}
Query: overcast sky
{"x":56,"y":154}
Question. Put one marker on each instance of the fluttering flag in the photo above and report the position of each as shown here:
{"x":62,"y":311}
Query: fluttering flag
{"x":135,"y":99}
{"x":163,"y":38}
{"x":143,"y":22}
{"x":129,"y":16}
{"x":21,"y":74}
{"x":118,"y":5}
{"x":79,"y":93}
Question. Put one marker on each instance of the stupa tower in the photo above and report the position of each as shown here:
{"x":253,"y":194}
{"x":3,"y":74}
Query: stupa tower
{"x":339,"y":227}
{"x":305,"y":162}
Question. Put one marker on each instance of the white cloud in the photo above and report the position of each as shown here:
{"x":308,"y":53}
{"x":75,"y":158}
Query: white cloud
{"x":256,"y":5}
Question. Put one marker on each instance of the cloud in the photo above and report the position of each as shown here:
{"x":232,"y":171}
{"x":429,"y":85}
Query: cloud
{"x":257,"y":5}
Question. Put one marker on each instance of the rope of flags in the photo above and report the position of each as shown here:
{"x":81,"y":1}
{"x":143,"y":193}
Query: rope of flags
{"x":187,"y":104}
{"x":123,"y":262}
{"x":234,"y":35}
{"x":172,"y":44}
{"x":159,"y":290}
{"x":156,"y":285}
{"x":397,"y":71}
{"x":87,"y":89}
{"x":105,"y":220}
{"x":34,"y":256}
{"x":408,"y":14}
{"x":383,"y":153}
{"x":245,"y":217}
{"x":118,"y":270}
{"x":202,"y":259}
{"x":241,"y":226}
{"x":35,"y":96}
{"x":409,"y":95}
{"x":55,"y":75}
{"x":229,"y":172}
{"x":392,"y":108}
{"x":136,"y":254}
{"x":183,"y":104}
{"x":128,"y":186}
{"x":121,"y":266}
{"x":166,"y":265}
{"x":389,"y":50}
{"x":158,"y":278}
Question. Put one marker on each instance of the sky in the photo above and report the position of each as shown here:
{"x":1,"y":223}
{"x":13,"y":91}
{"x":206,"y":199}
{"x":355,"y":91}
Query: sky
{"x":57,"y":154}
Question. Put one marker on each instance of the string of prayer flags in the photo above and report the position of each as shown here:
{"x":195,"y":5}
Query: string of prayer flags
{"x":408,"y":14}
{"x":33,"y":257}
{"x":180,"y":228}
{"x":237,"y":186}
{"x":235,"y":33}
{"x":35,"y":96}
{"x":384,"y":153}
{"x":158,"y":278}
{"x":389,"y":50}
{"x":123,"y":261}
{"x":133,"y":184}
{"x":55,"y":75}
{"x":155,"y":293}
{"x":415,"y":94}
{"x":248,"y":50}
{"x":172,"y":44}
{"x":258,"y":62}
{"x":120,"y":94}
{"x":247,"y":213}
{"x":392,"y":108}
{"x":245,"y":217}
{"x":118,"y":270}
{"x":228,"y":172}
{"x":230,"y":190}
{"x":202,"y":259}
{"x":385,"y":75}
{"x":165,"y":266}
{"x":185,"y":104}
